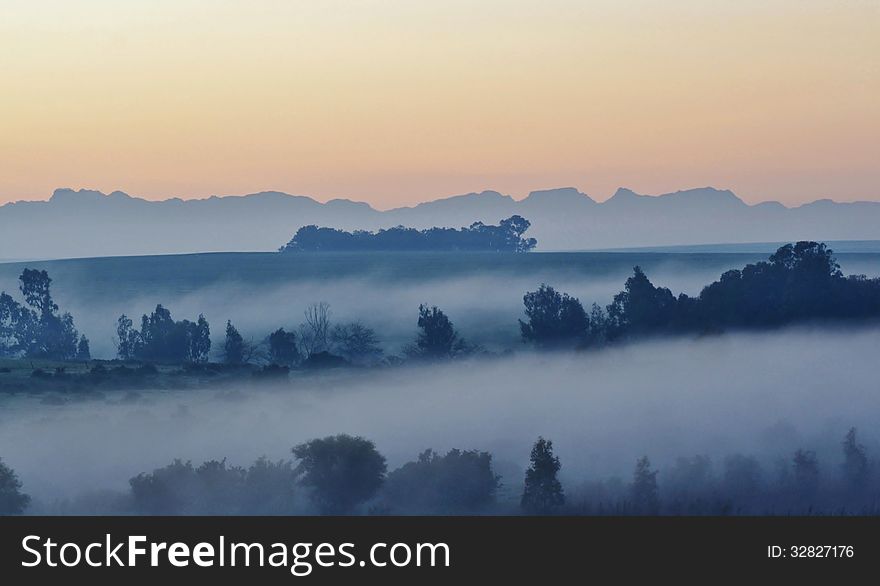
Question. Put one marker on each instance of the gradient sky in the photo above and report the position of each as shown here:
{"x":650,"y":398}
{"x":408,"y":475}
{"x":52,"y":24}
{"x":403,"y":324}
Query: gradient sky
{"x":399,"y":101}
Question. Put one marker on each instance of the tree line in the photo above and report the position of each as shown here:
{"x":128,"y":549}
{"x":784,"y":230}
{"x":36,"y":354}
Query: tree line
{"x":507,"y":236}
{"x":346,"y":475}
{"x":799,"y":282}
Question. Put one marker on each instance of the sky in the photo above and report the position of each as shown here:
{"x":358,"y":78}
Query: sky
{"x":395,"y":102}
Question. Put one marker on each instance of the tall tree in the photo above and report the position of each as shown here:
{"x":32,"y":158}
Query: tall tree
{"x":543,"y":493}
{"x":438,"y":337}
{"x":643,"y":491}
{"x":12,"y":500}
{"x":855,"y":461}
{"x":234,"y":347}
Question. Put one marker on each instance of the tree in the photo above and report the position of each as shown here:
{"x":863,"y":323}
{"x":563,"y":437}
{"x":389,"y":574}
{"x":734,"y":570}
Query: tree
{"x":83,"y":351}
{"x":41,"y":331}
{"x":234,"y":348}
{"x":554,"y":318}
{"x":355,"y":342}
{"x":507,"y":236}
{"x":855,"y":461}
{"x":14,"y":324}
{"x":461,"y":482}
{"x":162,"y":339}
{"x":315,"y":331}
{"x":200,"y":341}
{"x":128,"y":339}
{"x":12,"y":500}
{"x":641,"y":307}
{"x":35,"y":286}
{"x":342,"y":470}
{"x":542,"y":494}
{"x":643,"y":491}
{"x":806,"y":473}
{"x":283,"y":348}
{"x":437,"y":338}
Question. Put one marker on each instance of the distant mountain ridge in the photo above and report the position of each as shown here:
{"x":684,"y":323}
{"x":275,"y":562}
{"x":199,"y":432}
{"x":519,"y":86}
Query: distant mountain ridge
{"x":90,"y":223}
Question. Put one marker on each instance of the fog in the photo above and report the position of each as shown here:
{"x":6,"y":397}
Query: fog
{"x":764,"y":394}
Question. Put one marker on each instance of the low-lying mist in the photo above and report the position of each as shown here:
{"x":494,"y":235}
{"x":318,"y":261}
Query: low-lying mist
{"x":761,"y":394}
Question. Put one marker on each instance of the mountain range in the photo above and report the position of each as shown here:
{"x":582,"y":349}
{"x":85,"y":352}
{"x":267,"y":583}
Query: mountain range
{"x":88,"y":223}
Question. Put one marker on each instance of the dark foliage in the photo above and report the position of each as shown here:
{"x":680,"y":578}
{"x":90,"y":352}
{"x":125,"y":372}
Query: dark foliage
{"x":37,"y":329}
{"x":542,"y":494}
{"x":506,"y":237}
{"x":234,"y":346}
{"x":283,"y":348}
{"x":12,"y":500}
{"x":266,"y":488}
{"x":554,"y":319}
{"x":163,"y":340}
{"x":799,"y":282}
{"x":461,"y":482}
{"x":437,"y":337}
{"x":343,"y":471}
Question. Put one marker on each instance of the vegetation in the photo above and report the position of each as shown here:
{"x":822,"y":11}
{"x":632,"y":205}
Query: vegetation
{"x":459,"y":483}
{"x":800,"y":282}
{"x":542,"y":493}
{"x":507,"y":236}
{"x":37,"y":329}
{"x":342,"y":471}
{"x":438,"y":338}
{"x":163,"y":340}
{"x":12,"y":500}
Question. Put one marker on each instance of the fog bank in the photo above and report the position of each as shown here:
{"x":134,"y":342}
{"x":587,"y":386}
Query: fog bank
{"x":766,"y":394}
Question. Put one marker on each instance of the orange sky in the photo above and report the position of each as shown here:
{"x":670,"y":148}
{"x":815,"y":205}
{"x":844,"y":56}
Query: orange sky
{"x":395,"y":102}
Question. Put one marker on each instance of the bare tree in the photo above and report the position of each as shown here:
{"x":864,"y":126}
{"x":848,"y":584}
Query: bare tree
{"x":315,"y":331}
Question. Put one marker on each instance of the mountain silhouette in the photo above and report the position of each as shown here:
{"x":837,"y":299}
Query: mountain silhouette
{"x":89,"y":223}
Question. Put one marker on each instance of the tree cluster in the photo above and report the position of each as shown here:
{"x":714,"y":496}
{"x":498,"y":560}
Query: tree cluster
{"x":799,"y":282}
{"x":163,"y":340}
{"x":507,"y":236}
{"x":37,"y":328}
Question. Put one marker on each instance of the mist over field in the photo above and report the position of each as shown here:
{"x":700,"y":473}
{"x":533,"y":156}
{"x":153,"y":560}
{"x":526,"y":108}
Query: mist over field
{"x":761,"y":394}
{"x":481,"y":293}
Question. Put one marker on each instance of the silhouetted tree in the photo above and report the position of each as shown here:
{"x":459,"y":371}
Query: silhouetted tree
{"x":640,"y":308}
{"x":15,"y":320}
{"x":461,"y":482}
{"x":437,"y":338}
{"x":355,"y":342}
{"x":128,"y":339}
{"x":855,"y":461}
{"x":554,"y":318}
{"x":35,"y":286}
{"x":200,"y":344}
{"x":342,"y":470}
{"x":806,"y":473}
{"x":40,"y":332}
{"x":314,"y":332}
{"x":543,"y":493}
{"x":234,"y":347}
{"x":644,"y":491}
{"x":161,"y":339}
{"x":12,"y":500}
{"x":83,"y":351}
{"x":506,"y":237}
{"x":283,"y":348}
